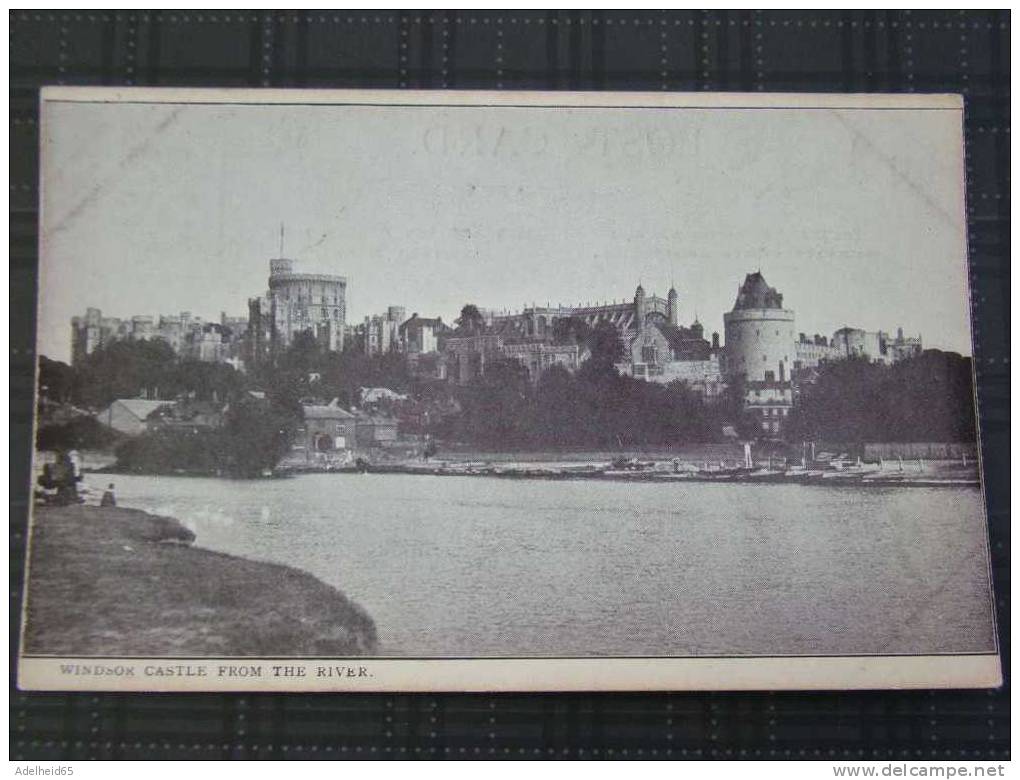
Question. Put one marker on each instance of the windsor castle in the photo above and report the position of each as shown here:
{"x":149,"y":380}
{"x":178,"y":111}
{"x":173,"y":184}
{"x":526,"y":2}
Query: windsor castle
{"x":761,"y":348}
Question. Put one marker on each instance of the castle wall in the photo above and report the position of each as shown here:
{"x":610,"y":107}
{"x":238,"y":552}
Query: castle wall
{"x":808,"y":354}
{"x":856,"y":342}
{"x":702,"y":376}
{"x":539,"y":357}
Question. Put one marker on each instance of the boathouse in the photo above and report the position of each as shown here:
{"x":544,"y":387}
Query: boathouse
{"x":328,"y":435}
{"x":132,"y":416}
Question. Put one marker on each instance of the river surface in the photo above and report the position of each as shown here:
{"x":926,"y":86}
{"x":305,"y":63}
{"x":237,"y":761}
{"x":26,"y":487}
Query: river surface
{"x":475,"y":566}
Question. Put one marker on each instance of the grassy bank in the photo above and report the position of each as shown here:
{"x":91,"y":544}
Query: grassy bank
{"x":121,"y":582}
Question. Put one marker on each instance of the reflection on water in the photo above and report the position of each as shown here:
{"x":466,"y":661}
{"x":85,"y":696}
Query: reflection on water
{"x":480,"y":566}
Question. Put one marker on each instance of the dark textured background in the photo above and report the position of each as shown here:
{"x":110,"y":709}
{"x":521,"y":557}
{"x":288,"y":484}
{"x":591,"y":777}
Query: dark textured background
{"x":943,"y":51}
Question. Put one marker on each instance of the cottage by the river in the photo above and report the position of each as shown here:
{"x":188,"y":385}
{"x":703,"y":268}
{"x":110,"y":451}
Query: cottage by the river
{"x":132,"y":416}
{"x":328,"y":434}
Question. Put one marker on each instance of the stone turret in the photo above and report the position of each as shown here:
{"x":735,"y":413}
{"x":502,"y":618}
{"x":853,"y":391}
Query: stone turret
{"x":760,"y":347}
{"x":639,"y":307}
{"x":672,"y":306}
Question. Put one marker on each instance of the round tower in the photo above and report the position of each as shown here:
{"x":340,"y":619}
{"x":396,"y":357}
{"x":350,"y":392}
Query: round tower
{"x":759,"y":350}
{"x":760,"y":337}
{"x":307,"y":302}
{"x":672,"y":306}
{"x":639,"y":307}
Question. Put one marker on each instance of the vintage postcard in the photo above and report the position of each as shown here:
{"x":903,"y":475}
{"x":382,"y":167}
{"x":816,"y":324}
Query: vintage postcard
{"x":409,"y":391}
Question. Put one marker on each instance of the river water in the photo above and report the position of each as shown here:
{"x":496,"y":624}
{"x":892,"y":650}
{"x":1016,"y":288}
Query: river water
{"x":475,"y":566}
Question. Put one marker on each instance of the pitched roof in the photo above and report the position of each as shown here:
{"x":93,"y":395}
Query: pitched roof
{"x":141,"y":407}
{"x":414,"y":321}
{"x":326,"y":412}
{"x":684,"y":343}
{"x":375,"y":419}
{"x":755,"y":293}
{"x":189,"y":410}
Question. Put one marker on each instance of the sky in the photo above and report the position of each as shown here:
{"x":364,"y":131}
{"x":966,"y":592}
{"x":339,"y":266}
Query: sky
{"x":856,"y":216}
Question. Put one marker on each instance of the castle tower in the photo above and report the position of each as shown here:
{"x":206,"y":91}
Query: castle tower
{"x":639,"y":307}
{"x":672,"y":306}
{"x":307,"y":302}
{"x":760,"y":346}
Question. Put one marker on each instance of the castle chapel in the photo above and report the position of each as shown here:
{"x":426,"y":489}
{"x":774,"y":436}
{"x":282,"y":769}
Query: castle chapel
{"x":655,"y":346}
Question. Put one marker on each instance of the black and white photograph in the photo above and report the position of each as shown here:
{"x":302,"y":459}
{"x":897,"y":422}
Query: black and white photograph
{"x":347,"y":390}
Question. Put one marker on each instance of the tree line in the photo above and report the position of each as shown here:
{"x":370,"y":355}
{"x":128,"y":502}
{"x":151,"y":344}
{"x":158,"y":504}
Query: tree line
{"x":256,"y":432}
{"x":594,"y":408}
{"x":254,"y":437}
{"x":132,"y":369}
{"x":929,"y":397}
{"x":926,"y":398}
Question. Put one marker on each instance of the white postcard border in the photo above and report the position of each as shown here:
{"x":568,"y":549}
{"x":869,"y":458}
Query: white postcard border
{"x":491,"y":675}
{"x":503,"y":674}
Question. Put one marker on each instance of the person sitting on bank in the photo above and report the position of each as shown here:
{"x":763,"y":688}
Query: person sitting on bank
{"x":108,"y":498}
{"x":59,"y":475}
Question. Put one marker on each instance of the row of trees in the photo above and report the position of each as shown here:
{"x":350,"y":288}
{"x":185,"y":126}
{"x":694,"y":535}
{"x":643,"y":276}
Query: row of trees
{"x":256,"y":431}
{"x":129,"y":369}
{"x":594,"y":408}
{"x":126,"y":369}
{"x":254,"y":436}
{"x":305,"y":369}
{"x":132,"y":369}
{"x":926,"y":398}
